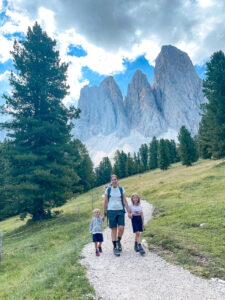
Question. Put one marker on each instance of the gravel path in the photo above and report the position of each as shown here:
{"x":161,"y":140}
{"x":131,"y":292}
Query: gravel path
{"x":131,"y":276}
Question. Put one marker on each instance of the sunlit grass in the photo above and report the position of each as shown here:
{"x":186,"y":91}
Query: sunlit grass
{"x":189,"y":217}
{"x":41,"y":261}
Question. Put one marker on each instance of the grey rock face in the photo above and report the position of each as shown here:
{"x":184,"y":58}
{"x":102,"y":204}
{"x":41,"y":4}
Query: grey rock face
{"x":173,"y":100}
{"x":141,"y":107}
{"x":102,"y":111}
{"x":178,"y":89}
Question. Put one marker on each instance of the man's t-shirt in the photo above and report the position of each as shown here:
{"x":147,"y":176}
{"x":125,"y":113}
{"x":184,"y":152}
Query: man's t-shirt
{"x":114,"y":201}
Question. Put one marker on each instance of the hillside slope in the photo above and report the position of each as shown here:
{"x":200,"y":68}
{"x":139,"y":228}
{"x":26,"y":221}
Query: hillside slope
{"x":40,"y":261}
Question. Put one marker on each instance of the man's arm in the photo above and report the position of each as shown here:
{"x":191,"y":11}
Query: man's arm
{"x":105,"y":207}
{"x":126,"y":205}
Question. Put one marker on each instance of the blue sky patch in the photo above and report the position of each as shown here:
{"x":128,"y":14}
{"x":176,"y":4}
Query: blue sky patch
{"x":200,"y":70}
{"x":141,"y":63}
{"x":77,"y":51}
{"x":93,"y":77}
{"x":8,"y":65}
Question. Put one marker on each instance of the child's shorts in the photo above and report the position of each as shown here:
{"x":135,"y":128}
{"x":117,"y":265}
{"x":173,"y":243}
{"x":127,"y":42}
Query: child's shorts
{"x":97,"y":237}
{"x":137,"y":224}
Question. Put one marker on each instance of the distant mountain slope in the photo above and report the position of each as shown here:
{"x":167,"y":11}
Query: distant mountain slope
{"x":107,"y":122}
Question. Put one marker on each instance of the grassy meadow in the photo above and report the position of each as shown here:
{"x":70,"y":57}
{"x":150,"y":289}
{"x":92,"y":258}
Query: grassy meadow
{"x":189,"y":217}
{"x":41,"y":261}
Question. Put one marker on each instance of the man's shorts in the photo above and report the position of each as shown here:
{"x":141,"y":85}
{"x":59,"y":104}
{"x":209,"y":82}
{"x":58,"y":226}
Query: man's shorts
{"x":116,"y":217}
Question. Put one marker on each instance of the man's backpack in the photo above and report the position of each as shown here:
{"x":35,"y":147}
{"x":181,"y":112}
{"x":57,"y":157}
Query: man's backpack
{"x":121,"y":194}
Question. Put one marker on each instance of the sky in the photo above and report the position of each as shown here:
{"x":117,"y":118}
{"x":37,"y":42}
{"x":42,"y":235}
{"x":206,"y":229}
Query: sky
{"x":99,"y":38}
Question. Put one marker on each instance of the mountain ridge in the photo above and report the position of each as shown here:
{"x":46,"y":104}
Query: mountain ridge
{"x":159,"y":109}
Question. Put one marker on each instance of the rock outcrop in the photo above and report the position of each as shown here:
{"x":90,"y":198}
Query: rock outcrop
{"x":159,"y":110}
{"x":102,"y":111}
{"x":178,"y":89}
{"x":141,"y":107}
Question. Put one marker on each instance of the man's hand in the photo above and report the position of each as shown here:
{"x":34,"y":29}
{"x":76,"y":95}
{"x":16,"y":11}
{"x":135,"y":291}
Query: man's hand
{"x":103,"y":219}
{"x":130,"y":215}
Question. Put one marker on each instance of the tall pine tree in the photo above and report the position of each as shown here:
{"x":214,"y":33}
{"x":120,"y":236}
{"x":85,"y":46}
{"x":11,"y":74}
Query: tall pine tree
{"x":104,"y":171}
{"x":212,"y":126}
{"x":39,"y":127}
{"x":144,"y":156}
{"x":153,"y":154}
{"x":163,"y":155}
{"x":187,"y":147}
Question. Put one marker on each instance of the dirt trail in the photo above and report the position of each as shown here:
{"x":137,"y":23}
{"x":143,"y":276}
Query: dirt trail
{"x":131,"y":276}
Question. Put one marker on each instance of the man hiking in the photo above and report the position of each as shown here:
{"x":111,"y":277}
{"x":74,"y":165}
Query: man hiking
{"x":114,"y":208}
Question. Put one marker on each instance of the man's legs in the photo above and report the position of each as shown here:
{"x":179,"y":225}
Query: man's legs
{"x":114,"y":238}
{"x":120,"y":231}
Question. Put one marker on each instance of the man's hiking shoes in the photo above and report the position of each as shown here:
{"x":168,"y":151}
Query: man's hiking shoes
{"x":97,"y":252}
{"x":136,"y":249}
{"x":116,"y":252}
{"x":100,"y":249}
{"x":141,"y":250}
{"x":119,"y":246}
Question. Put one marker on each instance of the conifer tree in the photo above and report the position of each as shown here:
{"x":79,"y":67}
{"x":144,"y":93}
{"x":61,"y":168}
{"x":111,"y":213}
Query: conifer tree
{"x":119,"y":167}
{"x":104,"y":171}
{"x":136,"y":163}
{"x":83,"y":166}
{"x":174,"y":151}
{"x":212,"y":125}
{"x":130,"y":166}
{"x":144,"y":156}
{"x":187,"y":147}
{"x":39,"y":127}
{"x":153,"y":154}
{"x":163,"y":155}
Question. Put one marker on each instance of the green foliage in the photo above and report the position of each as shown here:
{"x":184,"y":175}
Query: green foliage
{"x":212,"y":126}
{"x":187,"y":147}
{"x":144,"y":156}
{"x":41,"y":260}
{"x":39,"y":127}
{"x":130,"y":165}
{"x":119,"y":167}
{"x":164,"y":160}
{"x":188,"y":227}
{"x":153,"y":154}
{"x":83,"y":167}
{"x":104,"y":171}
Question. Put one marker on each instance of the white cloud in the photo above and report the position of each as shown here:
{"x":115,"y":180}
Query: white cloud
{"x":46,"y":20}
{"x":6,"y":47}
{"x":111,"y":31}
{"x":4,"y":83}
{"x":1,"y":4}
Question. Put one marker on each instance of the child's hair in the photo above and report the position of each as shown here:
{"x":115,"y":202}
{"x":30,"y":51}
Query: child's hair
{"x":132,"y":200}
{"x":113,"y":175}
{"x":96,"y":210}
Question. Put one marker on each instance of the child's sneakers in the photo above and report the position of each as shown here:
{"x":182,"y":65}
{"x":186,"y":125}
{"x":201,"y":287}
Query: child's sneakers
{"x":97,"y":252}
{"x":100,"y":249}
{"x":141,"y":250}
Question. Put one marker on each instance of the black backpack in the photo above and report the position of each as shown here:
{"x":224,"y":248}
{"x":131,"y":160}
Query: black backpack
{"x":121,"y":194}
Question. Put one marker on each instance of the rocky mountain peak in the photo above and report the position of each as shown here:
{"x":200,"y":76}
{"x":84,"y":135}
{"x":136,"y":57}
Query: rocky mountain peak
{"x":178,"y":88}
{"x":139,"y":80}
{"x":111,"y":89}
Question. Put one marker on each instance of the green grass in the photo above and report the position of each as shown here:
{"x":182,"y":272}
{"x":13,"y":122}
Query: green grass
{"x":41,"y":261}
{"x":184,"y":198}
